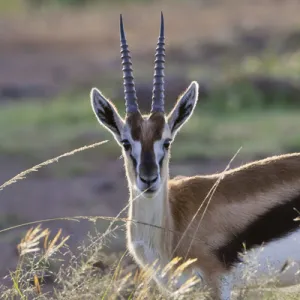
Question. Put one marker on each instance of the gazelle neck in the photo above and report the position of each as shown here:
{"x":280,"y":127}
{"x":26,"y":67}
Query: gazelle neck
{"x":149,"y":208}
{"x":148,"y":234}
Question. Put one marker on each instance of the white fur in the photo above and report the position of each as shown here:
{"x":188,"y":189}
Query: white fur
{"x":159,"y":151}
{"x":262,"y":264}
{"x":145,"y":241}
{"x":136,"y":151}
{"x":226,"y":288}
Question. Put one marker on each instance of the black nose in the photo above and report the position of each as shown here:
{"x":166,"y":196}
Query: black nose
{"x":149,"y":180}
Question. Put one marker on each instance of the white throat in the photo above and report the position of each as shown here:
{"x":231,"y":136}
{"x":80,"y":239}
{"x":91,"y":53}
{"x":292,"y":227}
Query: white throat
{"x":146,"y":234}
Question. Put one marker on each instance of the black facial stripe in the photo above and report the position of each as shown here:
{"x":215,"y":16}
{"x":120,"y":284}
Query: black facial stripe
{"x":161,"y":161}
{"x":183,"y":112}
{"x":274,"y":224}
{"x":133,"y":161}
{"x":147,"y":157}
{"x":107,"y":116}
{"x":148,"y":164}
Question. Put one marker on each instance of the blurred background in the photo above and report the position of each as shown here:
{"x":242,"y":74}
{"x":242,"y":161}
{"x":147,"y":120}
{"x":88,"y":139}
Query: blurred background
{"x":245,"y":55}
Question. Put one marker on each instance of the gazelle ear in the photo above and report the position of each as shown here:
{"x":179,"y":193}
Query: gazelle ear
{"x":106,"y":113}
{"x":184,"y":108}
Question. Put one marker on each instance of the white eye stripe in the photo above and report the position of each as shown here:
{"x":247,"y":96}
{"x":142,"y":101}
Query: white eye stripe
{"x":136,"y":151}
{"x":158,"y":147}
{"x":158,"y":151}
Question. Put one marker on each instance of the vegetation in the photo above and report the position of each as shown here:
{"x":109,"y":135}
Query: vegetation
{"x":92,"y":274}
{"x":252,"y":102}
{"x":220,"y":125}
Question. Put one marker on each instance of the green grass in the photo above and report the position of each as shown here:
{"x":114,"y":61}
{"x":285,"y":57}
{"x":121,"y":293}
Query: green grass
{"x":259,"y":133}
{"x":41,"y":128}
{"x":11,"y":6}
{"x":45,"y":128}
{"x":271,"y":64}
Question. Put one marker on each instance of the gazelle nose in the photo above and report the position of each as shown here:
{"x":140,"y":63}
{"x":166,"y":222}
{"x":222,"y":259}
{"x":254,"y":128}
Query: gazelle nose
{"x":149,"y":180}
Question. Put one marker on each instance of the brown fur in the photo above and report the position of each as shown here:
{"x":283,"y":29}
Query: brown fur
{"x":146,"y":129}
{"x":243,"y":193}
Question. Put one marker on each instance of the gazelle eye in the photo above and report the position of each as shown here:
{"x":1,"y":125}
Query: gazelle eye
{"x":126,"y":145}
{"x":167,"y":144}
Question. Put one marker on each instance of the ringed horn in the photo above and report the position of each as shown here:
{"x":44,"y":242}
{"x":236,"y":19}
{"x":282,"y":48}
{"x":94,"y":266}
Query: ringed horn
{"x":158,"y":92}
{"x":128,"y":79}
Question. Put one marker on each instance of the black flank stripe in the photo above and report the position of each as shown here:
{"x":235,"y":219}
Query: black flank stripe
{"x":133,"y":161}
{"x":274,"y":224}
{"x":161,"y":161}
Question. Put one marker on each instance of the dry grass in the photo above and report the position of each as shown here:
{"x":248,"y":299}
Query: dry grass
{"x":83,"y":278}
{"x":78,"y":277}
{"x":23,"y":174}
{"x":93,"y":275}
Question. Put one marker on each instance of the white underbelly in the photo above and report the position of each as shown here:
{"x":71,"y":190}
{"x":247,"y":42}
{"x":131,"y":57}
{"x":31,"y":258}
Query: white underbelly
{"x":264,"y":263}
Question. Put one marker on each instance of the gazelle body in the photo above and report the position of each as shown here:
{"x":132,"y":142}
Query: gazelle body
{"x":210,"y":218}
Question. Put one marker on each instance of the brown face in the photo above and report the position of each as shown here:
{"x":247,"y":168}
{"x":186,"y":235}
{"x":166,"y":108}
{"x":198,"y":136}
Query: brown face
{"x":146,"y":141}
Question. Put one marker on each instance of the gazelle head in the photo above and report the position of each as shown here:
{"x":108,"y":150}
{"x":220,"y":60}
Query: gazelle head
{"x":145,"y":139}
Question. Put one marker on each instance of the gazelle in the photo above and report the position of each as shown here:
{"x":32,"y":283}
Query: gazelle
{"x":251,"y":206}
